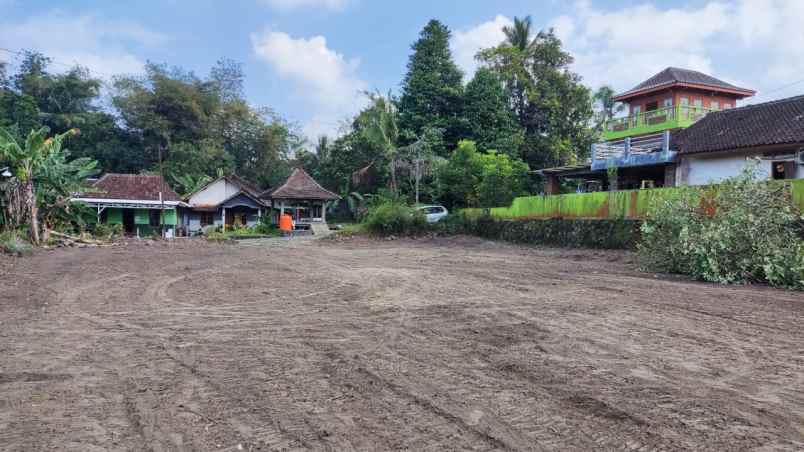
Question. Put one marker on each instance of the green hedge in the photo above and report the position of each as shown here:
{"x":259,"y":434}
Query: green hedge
{"x":572,"y":233}
{"x":629,"y":204}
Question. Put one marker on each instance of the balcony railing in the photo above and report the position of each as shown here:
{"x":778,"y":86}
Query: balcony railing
{"x":653,"y":121}
{"x":643,"y":150}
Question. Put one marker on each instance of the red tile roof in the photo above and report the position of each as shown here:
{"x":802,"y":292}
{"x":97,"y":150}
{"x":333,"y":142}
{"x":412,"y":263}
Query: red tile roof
{"x":142,"y":187}
{"x":299,"y":185}
{"x":674,"y":76}
{"x":779,"y":122}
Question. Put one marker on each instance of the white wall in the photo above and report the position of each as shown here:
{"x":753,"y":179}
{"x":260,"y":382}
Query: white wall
{"x":702,"y":170}
{"x":214,"y":194}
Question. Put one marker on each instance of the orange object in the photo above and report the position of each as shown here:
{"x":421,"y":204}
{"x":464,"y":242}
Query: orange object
{"x":285,"y":223}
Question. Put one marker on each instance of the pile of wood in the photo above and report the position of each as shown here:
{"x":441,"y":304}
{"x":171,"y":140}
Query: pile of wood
{"x":80,"y":241}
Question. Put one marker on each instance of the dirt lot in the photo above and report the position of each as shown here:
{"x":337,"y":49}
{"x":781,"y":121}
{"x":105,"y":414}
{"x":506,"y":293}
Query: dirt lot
{"x":424,"y":345}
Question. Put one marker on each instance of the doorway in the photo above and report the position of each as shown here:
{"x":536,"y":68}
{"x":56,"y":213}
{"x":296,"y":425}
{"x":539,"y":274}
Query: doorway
{"x":128,"y":221}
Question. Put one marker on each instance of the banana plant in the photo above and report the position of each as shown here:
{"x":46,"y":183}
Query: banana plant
{"x":26,"y":160}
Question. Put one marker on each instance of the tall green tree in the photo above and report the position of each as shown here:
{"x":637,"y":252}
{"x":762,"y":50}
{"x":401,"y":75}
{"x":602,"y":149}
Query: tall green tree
{"x":550,"y":103}
{"x":65,"y":100}
{"x":379,"y":127}
{"x":490,"y":121}
{"x":432,"y":89}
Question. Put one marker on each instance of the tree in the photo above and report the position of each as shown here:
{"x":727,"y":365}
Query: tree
{"x":64,"y":100}
{"x":519,"y":34}
{"x":476,"y":179}
{"x":57,"y":180}
{"x":432,"y":89}
{"x":502,"y":179}
{"x":607,"y":107}
{"x":379,"y":127}
{"x":550,"y":103}
{"x":27,"y":159}
{"x":488,"y":115}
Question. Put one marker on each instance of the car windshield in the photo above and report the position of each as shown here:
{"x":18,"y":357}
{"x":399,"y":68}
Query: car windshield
{"x":432,"y":209}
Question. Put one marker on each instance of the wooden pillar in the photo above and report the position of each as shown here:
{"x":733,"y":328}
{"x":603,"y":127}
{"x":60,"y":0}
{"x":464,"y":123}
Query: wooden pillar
{"x":323,"y":212}
{"x":223,"y":218}
{"x":552,"y":187}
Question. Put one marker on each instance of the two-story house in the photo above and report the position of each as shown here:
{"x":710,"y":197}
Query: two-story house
{"x":642,"y":146}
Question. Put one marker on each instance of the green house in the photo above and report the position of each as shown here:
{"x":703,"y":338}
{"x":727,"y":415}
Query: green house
{"x":143,"y":204}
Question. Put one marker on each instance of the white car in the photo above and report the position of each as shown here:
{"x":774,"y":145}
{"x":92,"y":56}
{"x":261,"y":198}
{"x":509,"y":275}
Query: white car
{"x":434,"y":214}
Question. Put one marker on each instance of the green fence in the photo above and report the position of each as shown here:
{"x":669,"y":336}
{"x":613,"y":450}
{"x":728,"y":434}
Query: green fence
{"x":629,"y":204}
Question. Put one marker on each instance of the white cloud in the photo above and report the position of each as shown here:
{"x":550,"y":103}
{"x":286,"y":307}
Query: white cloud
{"x":101,"y":44}
{"x":466,"y":43}
{"x":774,"y":29}
{"x":287,"y":5}
{"x":324,"y":78}
{"x":626,"y":46}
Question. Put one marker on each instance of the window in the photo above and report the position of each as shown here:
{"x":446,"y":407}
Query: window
{"x":698,"y":103}
{"x":684,"y":101}
{"x":636,"y":109}
{"x":652,"y":106}
{"x":783,"y":170}
{"x":153,"y":217}
{"x":726,"y":106}
{"x":668,"y":102}
{"x":714,"y":105}
{"x":206,"y":219}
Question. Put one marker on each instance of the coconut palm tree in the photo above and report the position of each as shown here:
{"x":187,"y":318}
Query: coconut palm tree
{"x":380,"y":127}
{"x":518,"y":35}
{"x":604,"y":96}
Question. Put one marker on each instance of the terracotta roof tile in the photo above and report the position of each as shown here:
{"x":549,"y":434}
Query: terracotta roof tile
{"x":770,"y":123}
{"x":143,"y":187}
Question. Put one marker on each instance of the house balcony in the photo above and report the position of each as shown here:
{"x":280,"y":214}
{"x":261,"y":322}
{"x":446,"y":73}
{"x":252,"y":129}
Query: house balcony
{"x":653,"y":121}
{"x":644,"y":150}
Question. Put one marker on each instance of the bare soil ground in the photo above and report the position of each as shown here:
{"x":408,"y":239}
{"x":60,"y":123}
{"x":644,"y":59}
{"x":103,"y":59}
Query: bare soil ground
{"x":440,"y":344}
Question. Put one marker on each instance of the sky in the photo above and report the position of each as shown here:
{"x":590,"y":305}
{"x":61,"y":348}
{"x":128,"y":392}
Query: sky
{"x":310,"y":60}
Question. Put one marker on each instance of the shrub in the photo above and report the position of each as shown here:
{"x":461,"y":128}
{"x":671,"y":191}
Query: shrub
{"x":11,"y":242}
{"x":741,"y":231}
{"x":607,"y":234}
{"x":108,"y":231}
{"x":216,"y":236}
{"x":394,"y":217}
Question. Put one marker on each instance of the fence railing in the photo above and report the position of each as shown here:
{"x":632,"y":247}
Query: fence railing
{"x":654,"y":120}
{"x":643,"y":145}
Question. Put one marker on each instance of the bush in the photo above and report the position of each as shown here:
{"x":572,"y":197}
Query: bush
{"x":11,"y":242}
{"x":108,"y":231}
{"x":741,"y":231}
{"x":607,"y":234}
{"x":393,"y":217}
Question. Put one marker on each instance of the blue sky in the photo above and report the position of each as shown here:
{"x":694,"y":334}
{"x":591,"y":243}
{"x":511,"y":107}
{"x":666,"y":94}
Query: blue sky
{"x":309,"y":59}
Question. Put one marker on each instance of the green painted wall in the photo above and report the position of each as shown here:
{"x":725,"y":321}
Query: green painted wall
{"x":630,"y":204}
{"x":141,"y":216}
{"x":114,"y":216}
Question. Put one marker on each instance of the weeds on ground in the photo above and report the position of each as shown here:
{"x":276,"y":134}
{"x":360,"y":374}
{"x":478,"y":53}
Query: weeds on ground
{"x":11,"y":242}
{"x":393,"y":217}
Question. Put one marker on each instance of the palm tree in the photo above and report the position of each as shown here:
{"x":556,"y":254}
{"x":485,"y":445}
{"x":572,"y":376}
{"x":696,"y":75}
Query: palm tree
{"x":519,"y":35}
{"x":380,"y":127}
{"x":27,"y":159}
{"x":604,"y":96}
